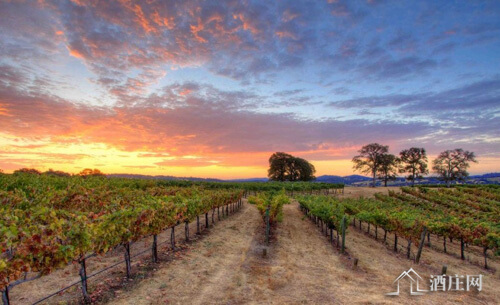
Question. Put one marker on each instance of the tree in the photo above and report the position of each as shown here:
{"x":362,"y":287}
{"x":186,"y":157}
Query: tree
{"x":300,"y":170}
{"x":278,"y":163}
{"x":91,"y":172}
{"x":52,"y":172}
{"x":388,"y":168}
{"x":452,"y":165}
{"x":414,"y":162}
{"x":285,"y":167}
{"x":25,"y":170}
{"x":369,"y":159}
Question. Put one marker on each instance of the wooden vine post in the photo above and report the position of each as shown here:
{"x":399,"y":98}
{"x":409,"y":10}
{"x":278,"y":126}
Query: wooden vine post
{"x":172,"y":238}
{"x":83,"y":277}
{"x":343,"y":225}
{"x":186,"y":230}
{"x":154,"y":249}
{"x":421,"y":245}
{"x":485,"y":252}
{"x":5,"y":296}
{"x":128,"y":265}
{"x":198,"y":225}
{"x":206,"y":220}
{"x":338,"y":240}
{"x":462,"y":248}
{"x":268,"y":226}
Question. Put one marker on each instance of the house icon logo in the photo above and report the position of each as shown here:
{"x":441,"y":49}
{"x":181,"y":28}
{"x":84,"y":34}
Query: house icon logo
{"x":414,"y":279}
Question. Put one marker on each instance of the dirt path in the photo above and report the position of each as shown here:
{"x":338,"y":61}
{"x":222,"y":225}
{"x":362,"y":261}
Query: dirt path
{"x":301,"y":267}
{"x":227,"y":267}
{"x":209,"y":271}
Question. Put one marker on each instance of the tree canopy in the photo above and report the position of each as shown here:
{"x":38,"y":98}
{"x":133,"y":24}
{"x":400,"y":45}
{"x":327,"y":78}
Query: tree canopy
{"x":414,"y":162}
{"x":26,"y":170}
{"x":369,"y":159}
{"x":91,"y":172}
{"x":452,"y":165}
{"x":285,"y":167}
{"x":388,"y":168}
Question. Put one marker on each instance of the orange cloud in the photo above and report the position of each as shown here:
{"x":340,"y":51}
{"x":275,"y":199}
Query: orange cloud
{"x":247,"y":23}
{"x":76,"y":53}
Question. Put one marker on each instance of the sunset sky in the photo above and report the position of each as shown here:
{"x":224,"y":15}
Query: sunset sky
{"x":213,"y":88}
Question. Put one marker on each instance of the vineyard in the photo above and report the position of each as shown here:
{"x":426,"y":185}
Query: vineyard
{"x":470,"y":215}
{"x":270,"y":205}
{"x":48,"y":222}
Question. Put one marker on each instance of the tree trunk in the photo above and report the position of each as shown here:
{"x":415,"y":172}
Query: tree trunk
{"x":374,"y":178}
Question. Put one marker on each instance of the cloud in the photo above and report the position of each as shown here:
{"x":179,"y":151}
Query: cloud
{"x":170,"y":79}
{"x":202,"y":123}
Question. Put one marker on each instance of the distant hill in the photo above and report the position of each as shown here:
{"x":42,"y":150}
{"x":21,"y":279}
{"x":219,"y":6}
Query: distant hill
{"x":161,"y":177}
{"x":249,"y":180}
{"x":353,"y":180}
{"x":345,"y":179}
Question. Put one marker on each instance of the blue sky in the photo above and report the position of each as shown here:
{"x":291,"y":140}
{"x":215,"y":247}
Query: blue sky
{"x":212,"y":88}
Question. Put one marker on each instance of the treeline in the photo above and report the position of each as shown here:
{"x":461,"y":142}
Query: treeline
{"x":84,"y":173}
{"x":374,"y":159}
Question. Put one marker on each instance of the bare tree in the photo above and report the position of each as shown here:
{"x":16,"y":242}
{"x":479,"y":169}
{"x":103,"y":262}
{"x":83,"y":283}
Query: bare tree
{"x":388,"y":168}
{"x":414,"y":162}
{"x":369,"y":159}
{"x":452,"y":165}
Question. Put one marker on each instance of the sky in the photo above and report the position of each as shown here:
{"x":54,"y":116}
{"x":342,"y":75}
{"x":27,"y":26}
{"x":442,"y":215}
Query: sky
{"x":213,"y":88}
